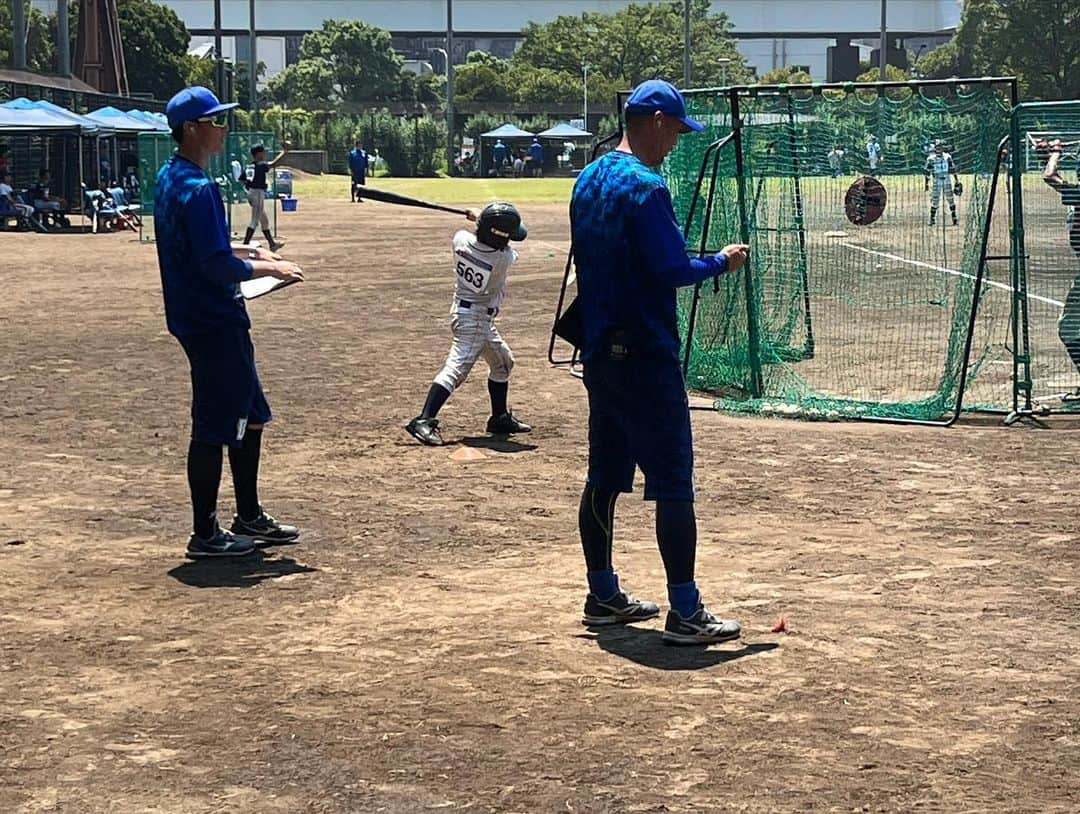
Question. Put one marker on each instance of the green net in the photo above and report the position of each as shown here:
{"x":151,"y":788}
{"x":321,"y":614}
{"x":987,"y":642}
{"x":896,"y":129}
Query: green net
{"x":834,"y":319}
{"x":154,"y":149}
{"x":1046,"y":234}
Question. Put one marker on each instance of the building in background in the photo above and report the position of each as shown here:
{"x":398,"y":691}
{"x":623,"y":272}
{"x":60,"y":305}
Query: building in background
{"x":828,"y":38}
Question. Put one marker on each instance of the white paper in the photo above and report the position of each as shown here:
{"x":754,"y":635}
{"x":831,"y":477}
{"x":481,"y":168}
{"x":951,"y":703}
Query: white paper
{"x":250,"y":289}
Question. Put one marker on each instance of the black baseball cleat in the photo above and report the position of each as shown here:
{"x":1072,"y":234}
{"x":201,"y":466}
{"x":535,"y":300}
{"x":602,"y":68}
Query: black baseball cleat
{"x":425,"y":430}
{"x":221,"y":544}
{"x":700,"y":628}
{"x":263,"y":530}
{"x":280,"y":244}
{"x":620,"y":609}
{"x":506,"y":424}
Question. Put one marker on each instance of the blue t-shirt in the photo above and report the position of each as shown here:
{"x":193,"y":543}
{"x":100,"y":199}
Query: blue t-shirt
{"x":630,"y":256}
{"x":536,"y":152}
{"x":358,"y":162}
{"x":200,"y":276}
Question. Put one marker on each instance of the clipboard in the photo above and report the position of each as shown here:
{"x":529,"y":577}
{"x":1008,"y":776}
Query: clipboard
{"x":261,"y":286}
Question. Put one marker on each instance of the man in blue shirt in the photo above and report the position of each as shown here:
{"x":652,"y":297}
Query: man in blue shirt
{"x":631,"y":256}
{"x":204,"y":310}
{"x":498,"y":154}
{"x":358,"y":166}
{"x":536,"y":158}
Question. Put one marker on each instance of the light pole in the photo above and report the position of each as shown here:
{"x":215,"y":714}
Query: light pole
{"x":253,"y":77}
{"x":723,"y":62}
{"x":883,"y":44}
{"x":219,"y":63}
{"x":686,"y":44}
{"x":585,"y":72}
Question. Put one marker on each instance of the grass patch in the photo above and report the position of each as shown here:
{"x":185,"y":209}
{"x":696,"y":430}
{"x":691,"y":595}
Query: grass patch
{"x":446,"y":190}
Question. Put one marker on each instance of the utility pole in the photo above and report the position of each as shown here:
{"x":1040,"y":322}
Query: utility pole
{"x":18,"y":35}
{"x":585,"y":71}
{"x":883,"y":43}
{"x":63,"y":39}
{"x":686,"y":44}
{"x":219,"y":62}
{"x":449,"y":87}
{"x":254,"y":60}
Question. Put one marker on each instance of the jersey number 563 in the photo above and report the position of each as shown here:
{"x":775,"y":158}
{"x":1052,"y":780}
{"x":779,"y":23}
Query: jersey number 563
{"x":471,"y":276}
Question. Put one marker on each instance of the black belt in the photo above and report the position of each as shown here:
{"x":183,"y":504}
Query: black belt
{"x":467,"y":304}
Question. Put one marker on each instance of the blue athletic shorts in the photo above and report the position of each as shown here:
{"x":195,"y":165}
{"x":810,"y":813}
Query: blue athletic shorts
{"x":639,"y":416}
{"x":226,"y":394}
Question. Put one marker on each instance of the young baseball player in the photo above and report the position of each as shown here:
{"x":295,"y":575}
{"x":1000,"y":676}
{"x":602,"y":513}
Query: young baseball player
{"x":481,"y":263}
{"x":1069,"y":323}
{"x":256,"y":191}
{"x":873,"y":153}
{"x":939,"y":165}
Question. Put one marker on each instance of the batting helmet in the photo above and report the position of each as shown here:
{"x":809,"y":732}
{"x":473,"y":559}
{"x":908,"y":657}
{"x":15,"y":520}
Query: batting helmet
{"x":498,"y":224}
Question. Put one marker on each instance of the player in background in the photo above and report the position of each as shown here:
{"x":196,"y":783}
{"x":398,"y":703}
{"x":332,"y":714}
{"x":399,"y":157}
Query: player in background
{"x":481,"y":263}
{"x":256,"y":192}
{"x":836,"y":161}
{"x":939,"y":166}
{"x":873,"y":153}
{"x":1069,"y":322}
{"x":536,"y":158}
{"x":358,"y":167}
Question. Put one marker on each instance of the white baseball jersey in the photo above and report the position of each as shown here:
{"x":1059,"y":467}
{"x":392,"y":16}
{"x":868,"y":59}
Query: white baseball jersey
{"x":939,"y":165}
{"x":480,"y":272}
{"x":873,"y":150}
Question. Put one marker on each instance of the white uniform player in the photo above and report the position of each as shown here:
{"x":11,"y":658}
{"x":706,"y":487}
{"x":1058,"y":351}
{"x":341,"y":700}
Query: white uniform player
{"x":939,"y":166}
{"x":481,"y":264}
{"x":873,"y":153}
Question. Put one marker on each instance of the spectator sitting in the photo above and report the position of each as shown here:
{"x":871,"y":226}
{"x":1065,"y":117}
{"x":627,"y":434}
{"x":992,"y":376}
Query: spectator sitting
{"x":50,"y":208}
{"x":536,"y":157}
{"x":8,"y":202}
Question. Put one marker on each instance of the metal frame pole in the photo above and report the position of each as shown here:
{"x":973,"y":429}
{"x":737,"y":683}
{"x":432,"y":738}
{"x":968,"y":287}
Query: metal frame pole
{"x":18,"y":35}
{"x":449,"y":87}
{"x":63,"y":39}
{"x":219,"y":60}
{"x":686,"y":44}
{"x":752,"y":315}
{"x":883,"y":43}
{"x":253,"y":60}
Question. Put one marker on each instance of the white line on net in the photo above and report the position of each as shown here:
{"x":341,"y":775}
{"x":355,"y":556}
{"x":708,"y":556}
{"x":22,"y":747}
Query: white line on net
{"x":954,"y":272}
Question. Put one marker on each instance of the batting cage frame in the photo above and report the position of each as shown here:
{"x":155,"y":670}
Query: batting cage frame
{"x":776,"y":338}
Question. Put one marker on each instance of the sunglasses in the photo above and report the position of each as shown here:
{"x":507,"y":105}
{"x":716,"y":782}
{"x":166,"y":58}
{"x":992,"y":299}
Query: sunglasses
{"x":216,"y":121}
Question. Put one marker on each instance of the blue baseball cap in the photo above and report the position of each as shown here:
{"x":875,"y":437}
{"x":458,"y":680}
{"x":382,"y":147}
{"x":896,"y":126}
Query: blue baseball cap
{"x":194,"y":103}
{"x":656,"y":94}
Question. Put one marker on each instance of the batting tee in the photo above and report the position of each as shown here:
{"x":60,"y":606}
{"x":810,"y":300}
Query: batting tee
{"x":154,"y":149}
{"x":831,"y":319}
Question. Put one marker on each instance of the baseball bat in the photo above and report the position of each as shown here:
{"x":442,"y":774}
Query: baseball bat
{"x":405,"y":200}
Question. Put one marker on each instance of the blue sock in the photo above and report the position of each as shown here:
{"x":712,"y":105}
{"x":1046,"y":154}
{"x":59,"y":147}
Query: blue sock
{"x":684,"y":598}
{"x":603,"y":584}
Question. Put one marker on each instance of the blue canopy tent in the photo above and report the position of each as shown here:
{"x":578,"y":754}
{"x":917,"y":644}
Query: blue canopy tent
{"x":125,"y":127}
{"x":509,"y":134}
{"x":567,"y":136}
{"x":25,"y":121}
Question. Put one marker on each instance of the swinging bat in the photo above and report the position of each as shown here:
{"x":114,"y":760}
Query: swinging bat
{"x":404,"y":200}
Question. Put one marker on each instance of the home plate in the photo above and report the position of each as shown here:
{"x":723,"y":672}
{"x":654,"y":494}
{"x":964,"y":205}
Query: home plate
{"x":466,"y":454}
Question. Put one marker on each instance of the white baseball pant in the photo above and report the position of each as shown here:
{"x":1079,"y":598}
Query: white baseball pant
{"x":475,"y":335}
{"x":941,"y":184}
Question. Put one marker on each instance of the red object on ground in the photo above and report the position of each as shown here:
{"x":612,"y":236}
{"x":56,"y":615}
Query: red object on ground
{"x":780,"y":626}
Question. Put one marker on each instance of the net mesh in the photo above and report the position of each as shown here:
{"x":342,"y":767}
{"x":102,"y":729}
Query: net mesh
{"x":154,"y":149}
{"x":1046,"y":231}
{"x":834,"y":319}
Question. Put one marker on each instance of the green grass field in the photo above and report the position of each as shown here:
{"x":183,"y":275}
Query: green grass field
{"x":447,"y":190}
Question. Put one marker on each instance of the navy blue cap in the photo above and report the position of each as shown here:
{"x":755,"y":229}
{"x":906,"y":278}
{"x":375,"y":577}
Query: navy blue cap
{"x":656,"y":94}
{"x":194,"y":103}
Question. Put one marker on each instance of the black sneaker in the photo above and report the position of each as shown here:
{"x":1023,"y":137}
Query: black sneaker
{"x":506,"y":424}
{"x":620,"y":609}
{"x":278,"y":245}
{"x":263,"y":529}
{"x":700,"y":628}
{"x":425,"y":430}
{"x":222,"y":544}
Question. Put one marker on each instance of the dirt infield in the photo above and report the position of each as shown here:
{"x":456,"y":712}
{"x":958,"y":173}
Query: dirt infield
{"x":421,"y":648}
